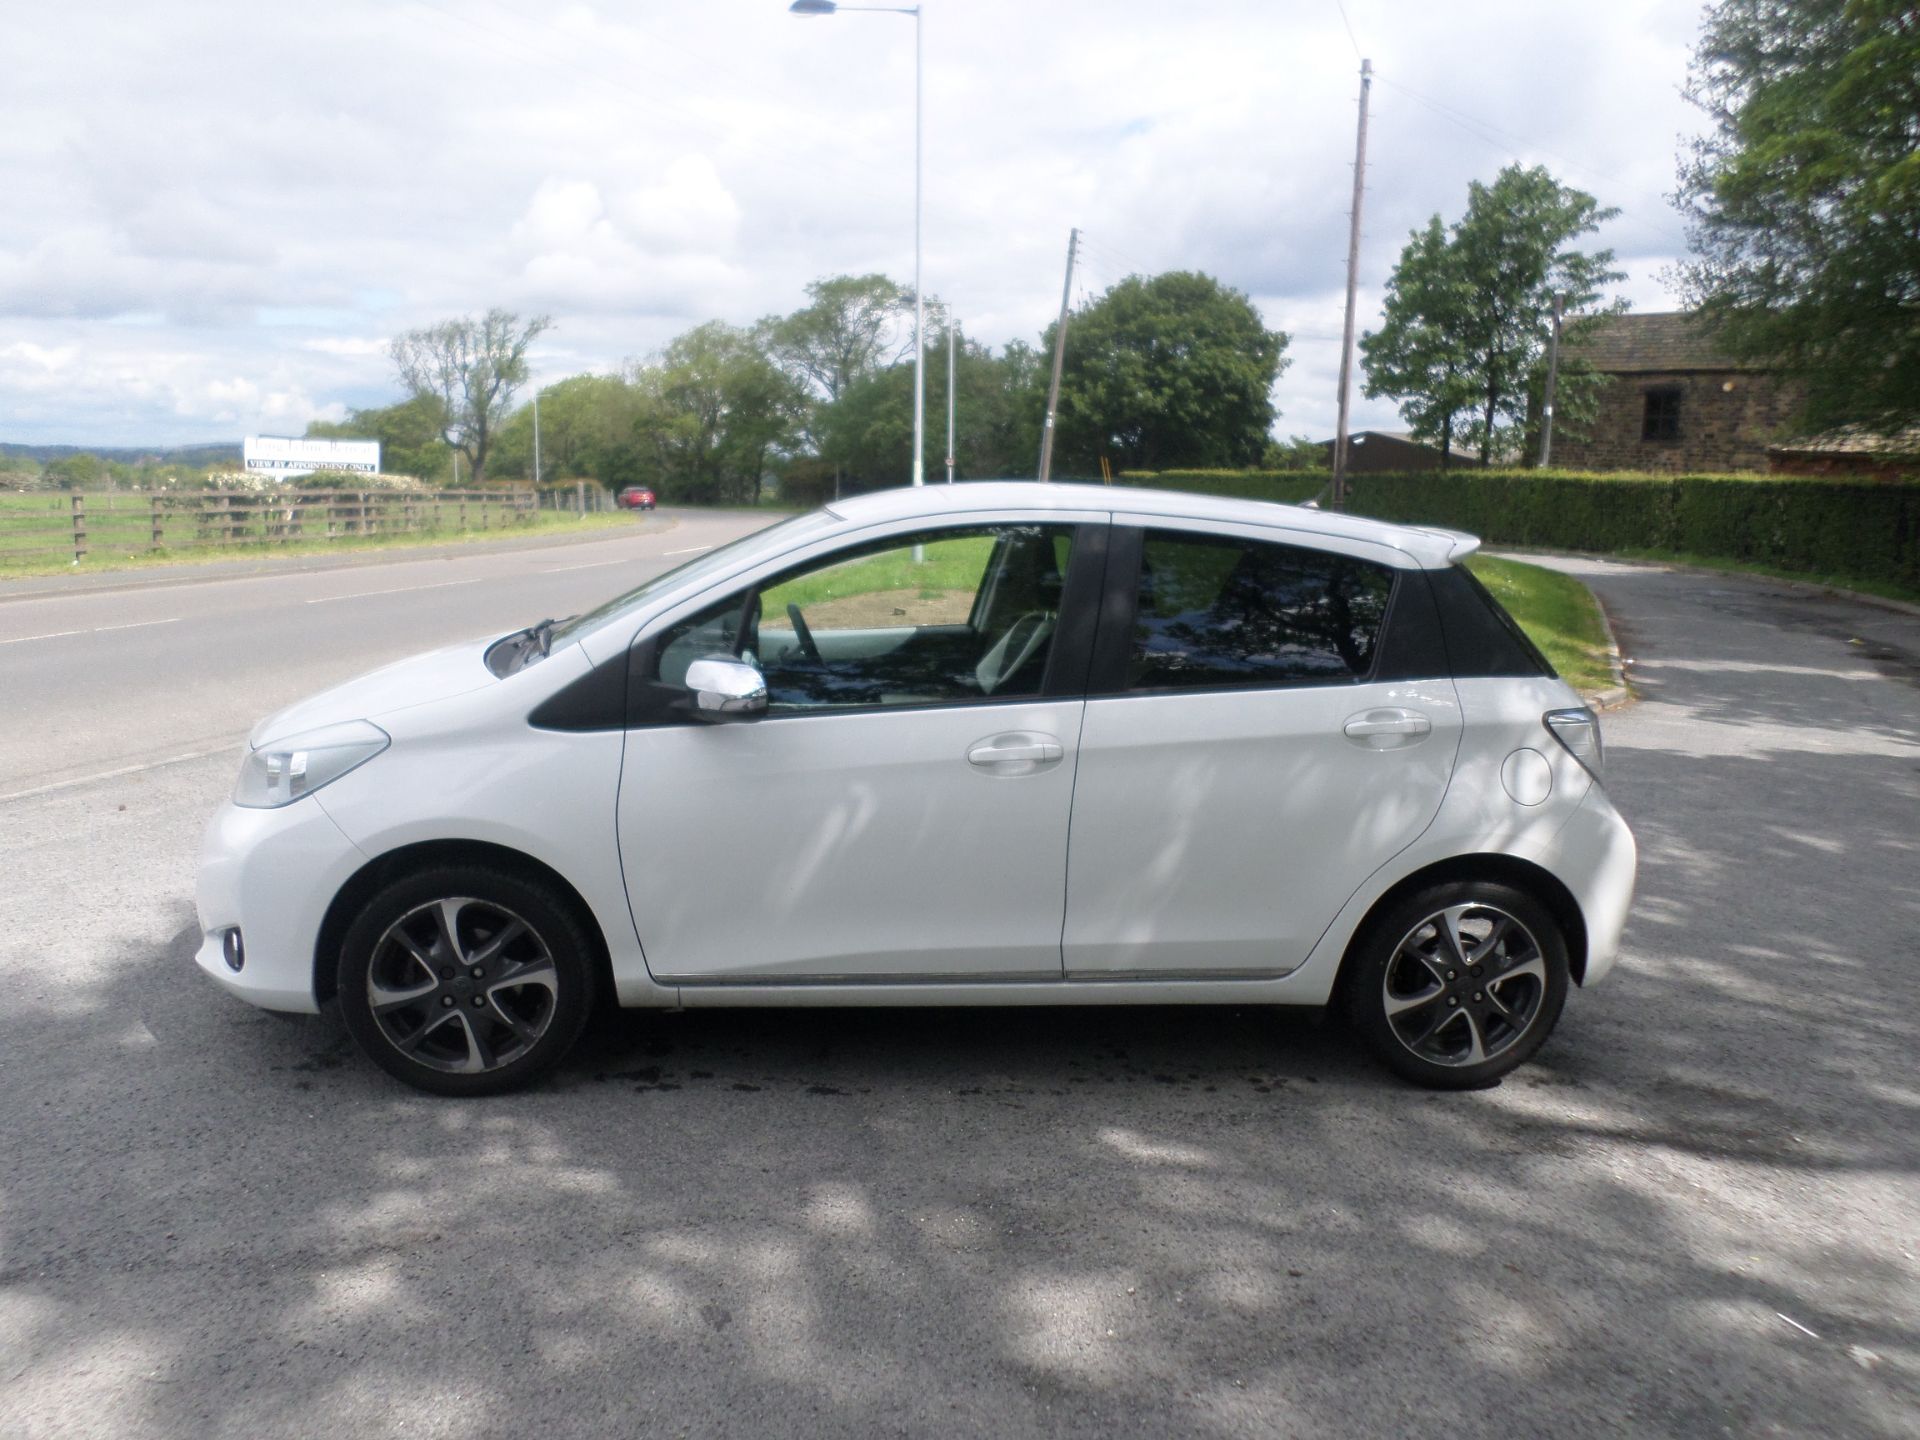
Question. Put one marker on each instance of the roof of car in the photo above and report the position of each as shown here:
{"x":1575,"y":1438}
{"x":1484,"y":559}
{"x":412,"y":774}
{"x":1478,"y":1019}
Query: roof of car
{"x":1429,"y":547}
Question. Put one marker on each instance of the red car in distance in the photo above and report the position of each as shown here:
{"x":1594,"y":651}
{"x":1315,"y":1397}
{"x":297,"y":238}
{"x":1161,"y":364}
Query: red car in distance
{"x":637,"y":497}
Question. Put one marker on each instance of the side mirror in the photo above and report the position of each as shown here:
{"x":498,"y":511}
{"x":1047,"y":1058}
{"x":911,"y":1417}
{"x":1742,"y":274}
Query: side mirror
{"x":726,"y":689}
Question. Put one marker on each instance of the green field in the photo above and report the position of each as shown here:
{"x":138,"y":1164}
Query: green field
{"x":1558,"y":613}
{"x":36,"y":536}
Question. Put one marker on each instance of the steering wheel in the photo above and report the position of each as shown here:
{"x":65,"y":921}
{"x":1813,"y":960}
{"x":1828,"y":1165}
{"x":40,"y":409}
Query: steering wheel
{"x":804,"y":635}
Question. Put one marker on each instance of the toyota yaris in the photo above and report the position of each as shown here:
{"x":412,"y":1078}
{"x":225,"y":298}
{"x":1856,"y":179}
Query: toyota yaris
{"x":993,"y":744}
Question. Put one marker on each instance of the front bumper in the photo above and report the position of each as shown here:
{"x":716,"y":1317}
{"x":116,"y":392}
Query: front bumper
{"x":271,"y":874}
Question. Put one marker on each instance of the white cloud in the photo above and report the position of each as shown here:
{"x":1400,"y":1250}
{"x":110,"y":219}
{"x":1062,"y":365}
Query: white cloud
{"x":635,"y":170}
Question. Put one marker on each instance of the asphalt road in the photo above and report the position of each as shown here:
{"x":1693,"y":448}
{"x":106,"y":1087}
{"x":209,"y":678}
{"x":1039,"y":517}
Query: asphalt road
{"x":1695,"y":1214}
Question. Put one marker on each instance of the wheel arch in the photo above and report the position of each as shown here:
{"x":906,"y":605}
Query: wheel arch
{"x":383,"y":870}
{"x":1542,"y":884}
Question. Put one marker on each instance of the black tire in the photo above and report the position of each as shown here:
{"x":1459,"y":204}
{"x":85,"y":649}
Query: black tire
{"x":490,"y":1014}
{"x":1455,"y":1006}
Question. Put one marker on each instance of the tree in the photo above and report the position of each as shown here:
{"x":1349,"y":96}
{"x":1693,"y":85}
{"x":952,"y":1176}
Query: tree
{"x":714,"y":410}
{"x":868,"y":435}
{"x":1469,"y":313}
{"x":851,"y":328}
{"x":1418,"y":355}
{"x":1804,"y":200}
{"x":1168,"y":371}
{"x":470,"y":368}
{"x":586,"y":432}
{"x":409,"y":434}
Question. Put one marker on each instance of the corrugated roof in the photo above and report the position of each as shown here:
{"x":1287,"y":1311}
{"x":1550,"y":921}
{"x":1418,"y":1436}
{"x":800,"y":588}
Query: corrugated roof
{"x":1635,"y":344}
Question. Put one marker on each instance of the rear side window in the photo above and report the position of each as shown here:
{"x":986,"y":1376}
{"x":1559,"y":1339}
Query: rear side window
{"x":1482,"y":639}
{"x":1215,"y":611}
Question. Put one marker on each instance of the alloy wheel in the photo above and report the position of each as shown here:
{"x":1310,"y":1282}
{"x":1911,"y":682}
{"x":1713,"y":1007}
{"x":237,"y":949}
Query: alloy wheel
{"x":1465,"y":985}
{"x":462,"y":985}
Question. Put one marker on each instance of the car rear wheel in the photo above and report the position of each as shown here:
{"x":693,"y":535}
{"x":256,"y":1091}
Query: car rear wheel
{"x":465,"y":980}
{"x":1458,"y":985}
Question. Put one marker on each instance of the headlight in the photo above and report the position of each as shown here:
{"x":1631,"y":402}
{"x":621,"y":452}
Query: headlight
{"x":1579,"y":731}
{"x":281,"y":772}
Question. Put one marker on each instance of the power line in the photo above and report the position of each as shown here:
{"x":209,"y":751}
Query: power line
{"x":1351,"y":40}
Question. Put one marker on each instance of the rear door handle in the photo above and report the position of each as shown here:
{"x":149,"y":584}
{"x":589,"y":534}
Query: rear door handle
{"x":1018,"y":752}
{"x":1381,"y":729}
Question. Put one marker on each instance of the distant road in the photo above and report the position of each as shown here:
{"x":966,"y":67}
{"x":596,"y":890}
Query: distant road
{"x":102,"y":681}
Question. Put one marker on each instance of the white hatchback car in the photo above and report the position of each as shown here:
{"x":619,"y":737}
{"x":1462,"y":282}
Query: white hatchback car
{"x":989,"y":744}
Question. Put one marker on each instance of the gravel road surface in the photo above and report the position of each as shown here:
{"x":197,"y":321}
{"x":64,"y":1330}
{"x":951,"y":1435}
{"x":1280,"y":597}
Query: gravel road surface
{"x":1696,"y":1214}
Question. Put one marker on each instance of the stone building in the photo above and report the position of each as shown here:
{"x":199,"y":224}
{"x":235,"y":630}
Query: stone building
{"x":1672,"y":401}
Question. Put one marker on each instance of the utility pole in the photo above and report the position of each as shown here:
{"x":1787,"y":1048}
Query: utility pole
{"x":1353,"y":284}
{"x":950,"y":401}
{"x":1553,"y":376}
{"x":1059,"y":358}
{"x":536,"y":437}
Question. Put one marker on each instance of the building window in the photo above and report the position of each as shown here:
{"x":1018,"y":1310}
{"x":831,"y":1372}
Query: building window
{"x":1661,"y":420}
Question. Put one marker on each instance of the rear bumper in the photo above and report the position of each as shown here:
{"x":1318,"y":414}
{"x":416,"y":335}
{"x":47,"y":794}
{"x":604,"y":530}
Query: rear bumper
{"x":1596,"y":858}
{"x":271,"y":874}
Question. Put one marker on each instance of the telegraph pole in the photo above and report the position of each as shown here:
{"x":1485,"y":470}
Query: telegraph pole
{"x":1553,"y":376}
{"x":1353,"y":283}
{"x":536,"y":437}
{"x":950,"y":400}
{"x":1059,"y":358}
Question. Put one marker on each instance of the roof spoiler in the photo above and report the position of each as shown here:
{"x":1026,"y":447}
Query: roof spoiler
{"x":1459,"y":543}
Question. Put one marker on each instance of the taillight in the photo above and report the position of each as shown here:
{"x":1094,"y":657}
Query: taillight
{"x":1578,"y":729}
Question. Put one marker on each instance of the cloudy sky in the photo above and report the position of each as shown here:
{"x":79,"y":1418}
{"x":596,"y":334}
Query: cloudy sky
{"x":216,"y":213}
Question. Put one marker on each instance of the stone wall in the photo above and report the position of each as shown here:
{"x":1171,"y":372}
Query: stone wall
{"x":1727,"y":420}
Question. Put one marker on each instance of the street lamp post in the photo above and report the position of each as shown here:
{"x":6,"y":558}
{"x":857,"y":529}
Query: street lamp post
{"x":831,"y":7}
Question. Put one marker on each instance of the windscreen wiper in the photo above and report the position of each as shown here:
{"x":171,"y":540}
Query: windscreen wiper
{"x":541,"y":634}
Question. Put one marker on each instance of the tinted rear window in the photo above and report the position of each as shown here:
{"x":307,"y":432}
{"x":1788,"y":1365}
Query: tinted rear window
{"x":1216,"y":611}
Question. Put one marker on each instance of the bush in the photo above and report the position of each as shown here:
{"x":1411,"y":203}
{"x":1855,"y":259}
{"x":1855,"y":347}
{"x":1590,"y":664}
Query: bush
{"x":1865,"y":530}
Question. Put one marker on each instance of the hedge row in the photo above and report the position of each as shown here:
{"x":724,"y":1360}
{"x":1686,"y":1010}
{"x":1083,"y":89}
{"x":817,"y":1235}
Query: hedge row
{"x":1865,"y":531}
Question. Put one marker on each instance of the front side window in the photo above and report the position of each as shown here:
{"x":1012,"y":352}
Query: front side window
{"x":1661,"y":420}
{"x":1215,"y":612}
{"x":943,"y":617}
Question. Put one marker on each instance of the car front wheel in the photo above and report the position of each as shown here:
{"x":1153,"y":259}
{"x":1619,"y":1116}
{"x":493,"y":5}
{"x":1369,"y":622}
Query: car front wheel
{"x":1458,"y":985}
{"x":465,"y":980}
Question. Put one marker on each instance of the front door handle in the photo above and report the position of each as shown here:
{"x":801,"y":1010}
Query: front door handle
{"x":1019,"y":752}
{"x":1382,"y":729}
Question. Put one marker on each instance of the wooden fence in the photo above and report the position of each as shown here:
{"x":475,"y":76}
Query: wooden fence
{"x":72,"y":525}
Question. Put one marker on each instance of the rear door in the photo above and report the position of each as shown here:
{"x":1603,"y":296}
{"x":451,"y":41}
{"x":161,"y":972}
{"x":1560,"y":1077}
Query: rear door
{"x":1243,"y":767}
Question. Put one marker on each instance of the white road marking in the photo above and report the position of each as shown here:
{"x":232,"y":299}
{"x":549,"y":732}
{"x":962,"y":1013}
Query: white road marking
{"x":95,"y":630}
{"x":123,"y":770}
{"x":590,"y":565}
{"x":397,"y":590}
{"x":694,"y":551}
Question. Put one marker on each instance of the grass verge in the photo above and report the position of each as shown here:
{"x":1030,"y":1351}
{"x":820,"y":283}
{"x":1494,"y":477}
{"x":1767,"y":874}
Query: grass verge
{"x":1558,"y":613}
{"x":103,"y":557}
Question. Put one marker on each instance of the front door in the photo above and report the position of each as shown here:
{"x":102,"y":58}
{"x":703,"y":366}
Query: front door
{"x":900,"y":812}
{"x":1241,"y":772}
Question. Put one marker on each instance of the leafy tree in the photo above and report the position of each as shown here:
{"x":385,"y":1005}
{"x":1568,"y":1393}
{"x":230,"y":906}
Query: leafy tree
{"x":1297,"y":452}
{"x":1418,"y":355}
{"x":409,"y":434}
{"x":851,"y":327}
{"x":1515,"y":251}
{"x":77,"y":472}
{"x":1469,"y":314}
{"x":1804,"y":200}
{"x":714,"y":410}
{"x":1163,"y":372}
{"x":586,"y":432}
{"x":868,"y":435}
{"x":470,"y":368}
